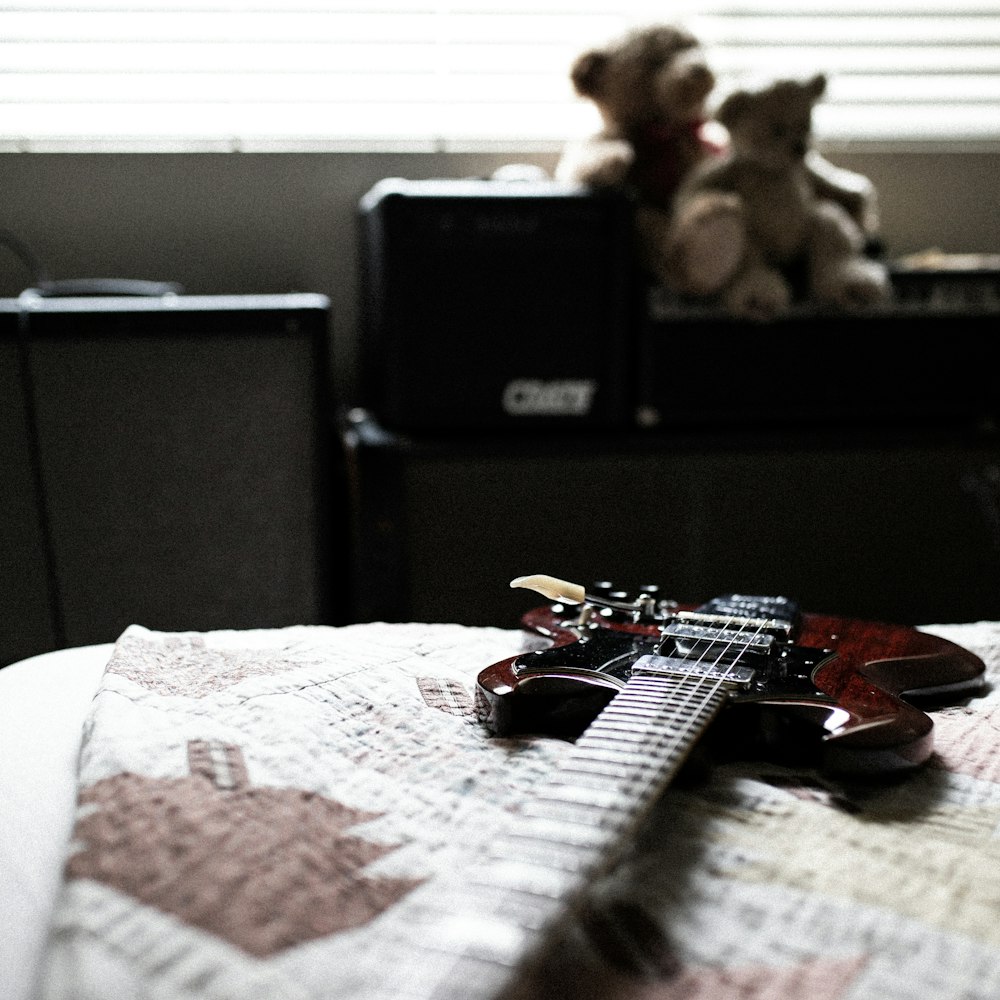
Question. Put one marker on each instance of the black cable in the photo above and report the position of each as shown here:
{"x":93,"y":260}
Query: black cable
{"x":22,"y":251}
{"x":38,"y":477}
{"x":76,"y":287}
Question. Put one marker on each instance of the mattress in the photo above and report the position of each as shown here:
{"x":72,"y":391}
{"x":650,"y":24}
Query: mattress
{"x":44,"y":701}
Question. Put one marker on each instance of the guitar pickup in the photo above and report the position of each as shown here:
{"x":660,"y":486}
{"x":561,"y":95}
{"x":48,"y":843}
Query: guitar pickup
{"x":690,"y":637}
{"x":738,"y":674}
{"x":777,"y":627}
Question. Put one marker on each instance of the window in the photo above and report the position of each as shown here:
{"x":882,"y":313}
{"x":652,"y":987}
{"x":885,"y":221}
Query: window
{"x":331,"y":74}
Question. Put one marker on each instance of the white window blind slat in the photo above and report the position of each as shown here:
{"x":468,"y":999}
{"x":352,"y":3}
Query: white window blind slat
{"x":847,"y":32}
{"x":883,"y":65}
{"x":333,"y":73}
{"x":629,"y":9}
{"x":277,"y":89}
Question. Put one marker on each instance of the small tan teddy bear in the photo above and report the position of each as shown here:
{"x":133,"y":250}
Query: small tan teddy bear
{"x":650,"y":87}
{"x":771,"y":217}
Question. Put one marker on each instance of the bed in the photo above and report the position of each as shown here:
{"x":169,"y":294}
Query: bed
{"x":299,"y":813}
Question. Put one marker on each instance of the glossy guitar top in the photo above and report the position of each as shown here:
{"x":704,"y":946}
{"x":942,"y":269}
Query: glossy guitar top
{"x":825,"y":690}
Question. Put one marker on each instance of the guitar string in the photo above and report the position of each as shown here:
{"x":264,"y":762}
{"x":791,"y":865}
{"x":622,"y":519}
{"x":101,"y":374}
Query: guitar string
{"x":708,"y":689}
{"x":445,"y":978}
{"x":712,"y":687}
{"x":714,"y":684}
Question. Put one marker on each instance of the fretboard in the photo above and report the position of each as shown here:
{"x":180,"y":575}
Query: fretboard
{"x":486,"y":934}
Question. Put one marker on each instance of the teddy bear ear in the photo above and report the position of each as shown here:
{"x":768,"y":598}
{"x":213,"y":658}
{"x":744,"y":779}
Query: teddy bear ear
{"x":817,"y":85}
{"x":587,"y":73}
{"x":733,"y":107}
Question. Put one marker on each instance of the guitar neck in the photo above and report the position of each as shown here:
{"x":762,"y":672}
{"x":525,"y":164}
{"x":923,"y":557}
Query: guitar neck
{"x":490,"y":933}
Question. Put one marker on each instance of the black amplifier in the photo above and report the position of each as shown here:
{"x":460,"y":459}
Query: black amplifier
{"x":925,"y":356}
{"x":496,"y":304}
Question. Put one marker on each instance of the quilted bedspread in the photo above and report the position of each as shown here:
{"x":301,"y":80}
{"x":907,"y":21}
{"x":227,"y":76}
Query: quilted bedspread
{"x":266,"y":814}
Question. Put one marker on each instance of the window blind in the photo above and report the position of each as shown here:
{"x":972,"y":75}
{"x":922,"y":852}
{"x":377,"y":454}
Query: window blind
{"x":244,"y":74}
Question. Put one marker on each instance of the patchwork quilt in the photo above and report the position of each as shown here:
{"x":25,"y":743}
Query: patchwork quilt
{"x":271,"y":814}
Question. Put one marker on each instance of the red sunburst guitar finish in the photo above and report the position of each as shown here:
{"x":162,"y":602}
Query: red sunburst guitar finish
{"x":636,"y":681}
{"x":836,"y":692}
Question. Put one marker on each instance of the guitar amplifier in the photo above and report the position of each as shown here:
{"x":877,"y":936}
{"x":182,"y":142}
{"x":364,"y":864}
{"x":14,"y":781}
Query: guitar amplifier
{"x":167,"y":461}
{"x":27,"y":618}
{"x":884,"y":524}
{"x":926,"y":357}
{"x":495,"y":304}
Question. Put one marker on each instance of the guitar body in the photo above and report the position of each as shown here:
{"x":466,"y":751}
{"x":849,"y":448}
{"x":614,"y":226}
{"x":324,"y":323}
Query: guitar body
{"x":837,"y":693}
{"x":636,"y":682}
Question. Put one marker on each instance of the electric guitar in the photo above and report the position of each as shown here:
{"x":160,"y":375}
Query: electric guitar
{"x":638,"y":681}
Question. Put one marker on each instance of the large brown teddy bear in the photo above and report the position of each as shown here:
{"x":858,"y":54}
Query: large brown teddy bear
{"x":650,"y":87}
{"x":771,"y":221}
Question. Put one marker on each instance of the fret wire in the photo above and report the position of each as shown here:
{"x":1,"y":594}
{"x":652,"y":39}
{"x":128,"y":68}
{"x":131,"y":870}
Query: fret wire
{"x":681,"y":720}
{"x":656,"y":742}
{"x":590,"y":779}
{"x":582,"y":835}
{"x":596,"y":798}
{"x":605,"y":796}
{"x":566,"y":857}
{"x":524,"y":906}
{"x":523,"y":876}
{"x":613,"y":756}
{"x":620,"y":730}
{"x":600,"y":768}
{"x":615,"y":736}
{"x":635,"y":715}
{"x":619,"y":737}
{"x":595,"y":763}
{"x":570,"y":812}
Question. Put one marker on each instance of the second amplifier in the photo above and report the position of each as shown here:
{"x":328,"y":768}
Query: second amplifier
{"x":495,"y":304}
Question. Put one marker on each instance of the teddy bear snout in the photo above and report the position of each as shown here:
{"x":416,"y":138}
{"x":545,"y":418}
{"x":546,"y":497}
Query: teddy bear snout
{"x":685,"y":85}
{"x":697,"y":80}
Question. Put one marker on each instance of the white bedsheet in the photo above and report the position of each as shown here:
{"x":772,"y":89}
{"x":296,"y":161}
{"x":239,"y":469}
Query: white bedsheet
{"x":43,"y":703}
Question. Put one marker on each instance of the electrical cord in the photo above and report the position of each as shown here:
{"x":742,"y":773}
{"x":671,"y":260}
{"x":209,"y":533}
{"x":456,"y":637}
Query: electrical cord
{"x":22,"y":251}
{"x":42,"y":285}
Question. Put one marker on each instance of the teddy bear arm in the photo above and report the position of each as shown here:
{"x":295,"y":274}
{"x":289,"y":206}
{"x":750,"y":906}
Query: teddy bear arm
{"x":839,"y":272}
{"x":852,"y":190}
{"x":758,"y":291}
{"x":717,"y":176}
{"x":599,"y":161}
{"x":705,"y":242}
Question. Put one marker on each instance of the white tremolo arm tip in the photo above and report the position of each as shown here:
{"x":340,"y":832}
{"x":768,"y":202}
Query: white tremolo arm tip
{"x":550,"y":587}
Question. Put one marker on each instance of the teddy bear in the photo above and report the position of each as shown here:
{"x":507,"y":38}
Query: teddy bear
{"x":650,"y":87}
{"x":771,"y":220}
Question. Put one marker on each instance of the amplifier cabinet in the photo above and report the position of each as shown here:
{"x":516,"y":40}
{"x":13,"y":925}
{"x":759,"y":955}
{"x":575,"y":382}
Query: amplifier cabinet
{"x":184,"y":453}
{"x":890,"y":526}
{"x":495,"y":304}
{"x":926,"y":357}
{"x":27,"y":611}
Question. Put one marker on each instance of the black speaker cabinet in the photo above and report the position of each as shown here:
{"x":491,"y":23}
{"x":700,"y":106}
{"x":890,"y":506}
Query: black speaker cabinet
{"x":885,"y":526}
{"x":926,"y":357}
{"x":184,"y":450}
{"x":27,"y":612}
{"x":495,"y":304}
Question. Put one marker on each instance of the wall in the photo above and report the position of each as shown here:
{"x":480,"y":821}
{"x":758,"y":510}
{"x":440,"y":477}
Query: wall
{"x":248,"y":222}
{"x":244,"y":223}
